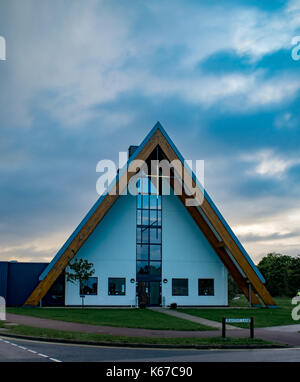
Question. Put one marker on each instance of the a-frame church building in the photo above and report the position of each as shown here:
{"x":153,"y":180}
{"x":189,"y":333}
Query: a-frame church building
{"x":153,"y":247}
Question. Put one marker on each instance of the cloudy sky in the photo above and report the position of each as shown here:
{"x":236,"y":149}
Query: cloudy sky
{"x":84,"y":80}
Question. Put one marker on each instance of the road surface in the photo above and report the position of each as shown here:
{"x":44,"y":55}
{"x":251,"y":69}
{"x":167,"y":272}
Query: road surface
{"x":17,"y":350}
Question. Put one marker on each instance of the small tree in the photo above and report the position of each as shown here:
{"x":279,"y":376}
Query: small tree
{"x":80,"y":271}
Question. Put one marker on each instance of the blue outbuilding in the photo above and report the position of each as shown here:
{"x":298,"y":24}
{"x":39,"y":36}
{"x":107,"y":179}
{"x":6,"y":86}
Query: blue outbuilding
{"x":18,"y":280}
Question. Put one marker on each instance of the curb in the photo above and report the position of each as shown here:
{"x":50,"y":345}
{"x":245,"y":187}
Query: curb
{"x":140,"y":345}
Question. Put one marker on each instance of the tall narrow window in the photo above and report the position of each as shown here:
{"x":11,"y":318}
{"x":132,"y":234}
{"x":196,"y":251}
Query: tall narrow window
{"x":148,"y":231}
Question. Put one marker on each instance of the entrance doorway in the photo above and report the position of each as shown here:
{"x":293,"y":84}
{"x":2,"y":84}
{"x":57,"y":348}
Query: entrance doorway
{"x":149,"y":292}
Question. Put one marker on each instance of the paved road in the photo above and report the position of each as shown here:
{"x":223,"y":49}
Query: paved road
{"x":17,"y":351}
{"x":34,"y":351}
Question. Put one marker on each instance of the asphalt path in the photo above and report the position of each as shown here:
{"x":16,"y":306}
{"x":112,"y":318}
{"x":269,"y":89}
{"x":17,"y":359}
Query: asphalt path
{"x":16,"y":350}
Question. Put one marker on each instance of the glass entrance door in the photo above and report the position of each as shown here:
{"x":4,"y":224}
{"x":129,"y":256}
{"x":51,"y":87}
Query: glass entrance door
{"x":149,"y":293}
{"x":142,"y":292}
{"x":154,"y":293}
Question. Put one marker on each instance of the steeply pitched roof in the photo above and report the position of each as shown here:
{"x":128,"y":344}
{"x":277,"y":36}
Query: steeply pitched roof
{"x":233,"y":254}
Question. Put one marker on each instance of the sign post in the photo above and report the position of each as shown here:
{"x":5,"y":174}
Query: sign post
{"x":251,"y":327}
{"x":238,"y":321}
{"x":223,"y":327}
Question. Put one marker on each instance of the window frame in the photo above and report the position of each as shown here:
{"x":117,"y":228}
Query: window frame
{"x":116,"y":278}
{"x":180,"y":278}
{"x":89,"y":294}
{"x":213,"y":286}
{"x":148,"y":232}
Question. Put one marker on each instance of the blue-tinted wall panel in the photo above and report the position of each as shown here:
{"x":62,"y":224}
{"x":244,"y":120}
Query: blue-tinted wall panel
{"x":22,"y":279}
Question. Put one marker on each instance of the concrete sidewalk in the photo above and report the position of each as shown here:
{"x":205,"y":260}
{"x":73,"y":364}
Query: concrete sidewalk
{"x":285,"y":328}
{"x":97,"y":329}
{"x":189,"y":317}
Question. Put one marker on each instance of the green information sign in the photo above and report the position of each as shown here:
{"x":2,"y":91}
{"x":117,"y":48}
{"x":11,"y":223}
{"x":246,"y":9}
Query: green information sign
{"x":238,"y":320}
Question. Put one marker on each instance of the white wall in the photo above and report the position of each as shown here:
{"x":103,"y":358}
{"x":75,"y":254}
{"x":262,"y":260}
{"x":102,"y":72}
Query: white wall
{"x":112,"y":250}
{"x":186,"y":253}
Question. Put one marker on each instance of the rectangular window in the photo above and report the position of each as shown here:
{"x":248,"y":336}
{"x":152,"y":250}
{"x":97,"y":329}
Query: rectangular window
{"x":155,"y":268}
{"x":116,"y":286}
{"x":155,"y":235}
{"x":145,"y":235}
{"x":89,"y":287}
{"x":155,"y":218}
{"x":142,"y":252}
{"x":145,"y":201}
{"x":142,"y":267}
{"x":206,"y":287}
{"x":145,"y":217}
{"x":139,"y":217}
{"x":180,"y":287}
{"x":139,"y":201}
{"x":155,"y":252}
{"x":153,"y":199}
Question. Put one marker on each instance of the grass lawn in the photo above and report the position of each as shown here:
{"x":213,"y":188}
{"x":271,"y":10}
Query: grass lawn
{"x":84,"y":337}
{"x":263,"y":317}
{"x":126,"y":318}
